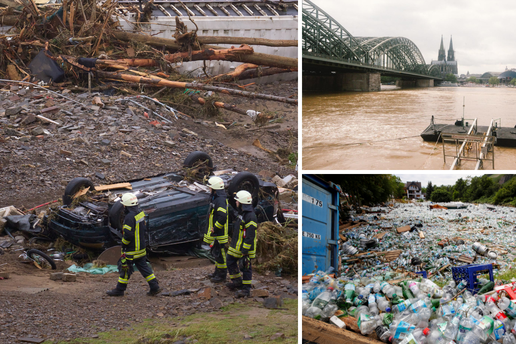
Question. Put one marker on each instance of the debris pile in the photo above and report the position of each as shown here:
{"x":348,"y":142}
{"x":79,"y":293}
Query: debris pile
{"x":277,"y":249}
{"x":411,"y":273}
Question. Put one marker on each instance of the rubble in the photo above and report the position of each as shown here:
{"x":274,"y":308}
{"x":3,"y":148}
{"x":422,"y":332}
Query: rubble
{"x":420,"y":260}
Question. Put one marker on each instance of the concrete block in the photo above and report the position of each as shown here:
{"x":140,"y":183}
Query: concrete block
{"x":69,"y":277}
{"x":5,"y":275}
{"x":259,"y":293}
{"x":56,"y":276}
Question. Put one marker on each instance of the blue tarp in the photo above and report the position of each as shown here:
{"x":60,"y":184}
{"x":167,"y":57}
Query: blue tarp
{"x":91,"y":270}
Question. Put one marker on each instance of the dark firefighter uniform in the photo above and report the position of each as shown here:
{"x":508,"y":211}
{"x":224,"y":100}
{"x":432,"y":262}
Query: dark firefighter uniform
{"x":243,"y":244}
{"x":217,"y":234}
{"x":133,"y":246}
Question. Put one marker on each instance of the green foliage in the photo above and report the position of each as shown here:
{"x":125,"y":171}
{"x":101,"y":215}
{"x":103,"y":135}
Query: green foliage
{"x":450,"y":77}
{"x":292,"y":159}
{"x":441,"y":195}
{"x":507,"y":193}
{"x":513,"y":82}
{"x":473,"y":79}
{"x":368,"y":189}
{"x":429,"y":190}
{"x":493,"y":80}
{"x":388,"y":79}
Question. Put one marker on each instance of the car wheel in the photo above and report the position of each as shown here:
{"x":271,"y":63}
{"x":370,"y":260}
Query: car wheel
{"x":244,"y":181}
{"x":116,"y":216}
{"x":75,"y":186}
{"x":200,"y":163}
{"x":42,"y":259}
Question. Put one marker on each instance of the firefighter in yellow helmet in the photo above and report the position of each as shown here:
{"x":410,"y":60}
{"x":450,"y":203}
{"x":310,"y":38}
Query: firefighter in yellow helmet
{"x":133,"y":248}
{"x":217,"y":233}
{"x":243,"y":245}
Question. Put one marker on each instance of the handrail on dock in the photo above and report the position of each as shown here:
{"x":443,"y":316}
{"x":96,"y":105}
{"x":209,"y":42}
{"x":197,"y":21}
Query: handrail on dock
{"x":456,"y":160}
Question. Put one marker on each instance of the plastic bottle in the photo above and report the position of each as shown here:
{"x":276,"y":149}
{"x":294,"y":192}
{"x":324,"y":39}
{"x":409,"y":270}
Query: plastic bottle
{"x":484,"y":327}
{"x":452,"y":329}
{"x":383,"y":334}
{"x":508,"y":338}
{"x":323,"y":299}
{"x":400,"y":307}
{"x":314,"y":312}
{"x":383,"y":304}
{"x":366,"y":323}
{"x":413,"y":287}
{"x":507,"y":306}
{"x":497,"y":313}
{"x":387,"y":289}
{"x":401,"y":330}
{"x":470,"y":338}
{"x":465,"y":326}
{"x":373,"y":307}
{"x":435,"y":337}
{"x":349,"y":293}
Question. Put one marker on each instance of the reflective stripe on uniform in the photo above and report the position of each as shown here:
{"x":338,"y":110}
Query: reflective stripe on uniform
{"x":135,"y":254}
{"x":246,"y":246}
{"x":150,"y":277}
{"x":125,"y":242}
{"x":139,"y":218}
{"x":221,"y":266}
{"x":221,"y":209}
{"x":218,"y":225}
{"x":222,"y":239}
{"x":127,"y":227}
{"x":251,"y":223}
{"x":234,"y":253}
{"x":235,"y":276}
{"x":122,"y":280}
{"x":246,"y":282}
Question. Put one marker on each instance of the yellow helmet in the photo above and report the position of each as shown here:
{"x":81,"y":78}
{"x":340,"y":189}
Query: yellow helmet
{"x":244,"y":197}
{"x":216,"y":183}
{"x":129,"y":199}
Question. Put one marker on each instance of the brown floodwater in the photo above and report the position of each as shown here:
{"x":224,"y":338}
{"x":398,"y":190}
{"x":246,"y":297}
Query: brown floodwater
{"x":380,"y":130}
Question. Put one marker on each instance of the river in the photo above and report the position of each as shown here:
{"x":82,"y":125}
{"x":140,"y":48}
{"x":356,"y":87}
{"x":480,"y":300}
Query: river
{"x":380,"y":130}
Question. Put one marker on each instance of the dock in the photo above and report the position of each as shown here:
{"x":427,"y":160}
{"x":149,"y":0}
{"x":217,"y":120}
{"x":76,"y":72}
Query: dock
{"x":504,"y":136}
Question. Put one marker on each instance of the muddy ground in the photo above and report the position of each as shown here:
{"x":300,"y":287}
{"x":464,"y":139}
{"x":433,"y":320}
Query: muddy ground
{"x":32,"y":305}
{"x":118,"y":142}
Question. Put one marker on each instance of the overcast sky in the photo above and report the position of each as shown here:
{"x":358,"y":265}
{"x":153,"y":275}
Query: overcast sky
{"x":437,"y":178}
{"x":483,"y":30}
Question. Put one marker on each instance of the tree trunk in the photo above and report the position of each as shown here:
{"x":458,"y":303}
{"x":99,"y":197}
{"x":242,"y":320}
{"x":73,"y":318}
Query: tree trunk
{"x":247,"y":40}
{"x":256,"y":58}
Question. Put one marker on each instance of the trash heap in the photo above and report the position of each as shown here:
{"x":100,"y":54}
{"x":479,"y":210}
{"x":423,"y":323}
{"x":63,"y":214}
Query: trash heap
{"x":394,"y":262}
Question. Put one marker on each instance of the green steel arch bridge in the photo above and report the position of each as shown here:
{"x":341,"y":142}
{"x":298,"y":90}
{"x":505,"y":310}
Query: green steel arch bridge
{"x":328,"y":46}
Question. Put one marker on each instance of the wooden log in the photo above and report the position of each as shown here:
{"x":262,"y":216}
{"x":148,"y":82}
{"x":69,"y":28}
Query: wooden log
{"x":177,"y":84}
{"x":114,"y":186}
{"x":249,"y":71}
{"x":247,"y":40}
{"x":256,"y":58}
{"x":322,"y":333}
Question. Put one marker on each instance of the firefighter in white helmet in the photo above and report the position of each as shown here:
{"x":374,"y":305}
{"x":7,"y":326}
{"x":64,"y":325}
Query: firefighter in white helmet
{"x":243,"y":245}
{"x":217,"y":234}
{"x":133,"y":248}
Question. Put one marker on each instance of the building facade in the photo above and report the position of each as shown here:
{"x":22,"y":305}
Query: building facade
{"x":413,"y":190}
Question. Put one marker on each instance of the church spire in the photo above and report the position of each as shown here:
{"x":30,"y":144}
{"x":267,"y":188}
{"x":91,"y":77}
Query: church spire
{"x":451,"y":53}
{"x":442,"y":52}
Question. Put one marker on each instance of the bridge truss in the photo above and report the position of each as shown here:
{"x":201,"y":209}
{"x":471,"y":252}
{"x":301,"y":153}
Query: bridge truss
{"x":323,"y":36}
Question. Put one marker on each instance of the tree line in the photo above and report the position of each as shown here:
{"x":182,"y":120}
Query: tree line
{"x":484,"y":189}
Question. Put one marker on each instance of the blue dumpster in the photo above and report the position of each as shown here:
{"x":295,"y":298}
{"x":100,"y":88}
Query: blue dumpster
{"x":320,"y":226}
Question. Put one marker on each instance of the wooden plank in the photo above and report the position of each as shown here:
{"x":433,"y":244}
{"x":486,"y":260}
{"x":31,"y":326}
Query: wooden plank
{"x":81,"y":192}
{"x":114,"y":186}
{"x":380,"y":235}
{"x":403,"y":229}
{"x":323,"y":333}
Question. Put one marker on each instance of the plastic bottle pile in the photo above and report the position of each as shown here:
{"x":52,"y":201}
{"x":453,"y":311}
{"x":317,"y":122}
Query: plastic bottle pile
{"x":481,"y":223}
{"x":415,"y":312}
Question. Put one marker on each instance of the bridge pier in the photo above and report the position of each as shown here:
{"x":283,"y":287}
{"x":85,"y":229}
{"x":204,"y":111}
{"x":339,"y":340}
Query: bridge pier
{"x":340,"y":82}
{"x":412,"y":83}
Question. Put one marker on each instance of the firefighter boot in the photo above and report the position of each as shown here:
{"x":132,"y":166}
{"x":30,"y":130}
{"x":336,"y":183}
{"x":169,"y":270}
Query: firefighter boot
{"x":245,"y":292}
{"x":118,"y":291}
{"x":235,"y":284}
{"x":154,"y":288}
{"x":212,"y":275}
{"x":220,"y":276}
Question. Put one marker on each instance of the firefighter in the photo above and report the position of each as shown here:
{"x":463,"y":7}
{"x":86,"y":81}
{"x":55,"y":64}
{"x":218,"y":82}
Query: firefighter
{"x":133,"y":248}
{"x":243,"y":245}
{"x":217,"y":233}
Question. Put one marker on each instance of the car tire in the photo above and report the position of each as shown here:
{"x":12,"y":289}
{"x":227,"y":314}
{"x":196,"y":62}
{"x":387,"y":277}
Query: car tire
{"x":75,"y":186}
{"x":32,"y":253}
{"x":244,"y":181}
{"x":197,"y":157}
{"x":115,"y":215}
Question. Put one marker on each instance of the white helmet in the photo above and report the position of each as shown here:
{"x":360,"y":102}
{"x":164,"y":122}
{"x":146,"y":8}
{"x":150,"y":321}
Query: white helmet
{"x":244,"y":197}
{"x":129,"y":199}
{"x":216,"y":183}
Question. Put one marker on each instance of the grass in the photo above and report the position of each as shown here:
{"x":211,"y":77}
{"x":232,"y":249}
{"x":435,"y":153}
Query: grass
{"x":230,"y":325}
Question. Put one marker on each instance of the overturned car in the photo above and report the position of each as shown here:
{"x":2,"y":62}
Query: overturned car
{"x":176,"y":206}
